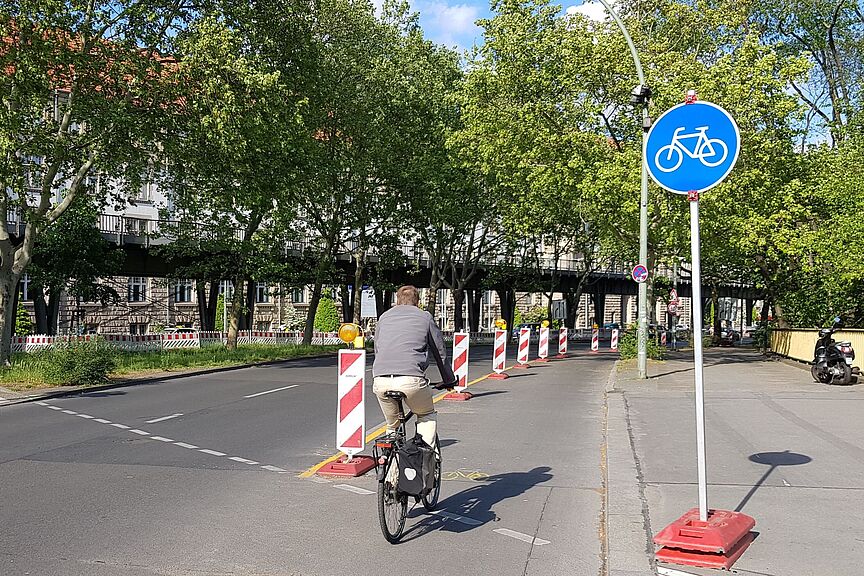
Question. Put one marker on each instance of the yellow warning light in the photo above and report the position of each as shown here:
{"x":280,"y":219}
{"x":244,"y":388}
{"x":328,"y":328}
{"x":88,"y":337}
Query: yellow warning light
{"x":501,"y":324}
{"x":349,"y":332}
{"x":545,"y":323}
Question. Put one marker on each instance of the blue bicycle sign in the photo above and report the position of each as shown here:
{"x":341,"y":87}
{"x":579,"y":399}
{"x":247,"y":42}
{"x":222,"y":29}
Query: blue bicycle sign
{"x":692,"y":147}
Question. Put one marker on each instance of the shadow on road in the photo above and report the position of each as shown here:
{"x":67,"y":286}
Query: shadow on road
{"x":773,"y":460}
{"x":488,"y":393}
{"x":477,"y":504}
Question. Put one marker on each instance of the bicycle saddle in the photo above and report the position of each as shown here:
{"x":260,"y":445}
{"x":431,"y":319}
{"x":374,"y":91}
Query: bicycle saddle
{"x":395,"y":394}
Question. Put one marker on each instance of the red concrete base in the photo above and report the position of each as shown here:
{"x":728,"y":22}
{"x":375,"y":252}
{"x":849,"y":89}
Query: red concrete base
{"x":715,"y":543}
{"x":561,"y":356}
{"x":498,"y":376}
{"x":521,"y":366}
{"x":705,"y":559}
{"x":542,"y":360}
{"x":458,"y":396}
{"x":358,"y":466}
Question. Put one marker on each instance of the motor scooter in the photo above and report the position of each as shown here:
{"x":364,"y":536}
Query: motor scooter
{"x":832,"y":361}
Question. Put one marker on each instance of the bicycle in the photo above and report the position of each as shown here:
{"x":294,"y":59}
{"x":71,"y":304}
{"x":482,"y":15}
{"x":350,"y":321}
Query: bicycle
{"x":393,"y":504}
{"x":704,"y":151}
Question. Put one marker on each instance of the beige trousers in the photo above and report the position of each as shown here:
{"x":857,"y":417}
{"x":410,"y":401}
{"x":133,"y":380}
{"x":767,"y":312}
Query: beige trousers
{"x":418,"y":397}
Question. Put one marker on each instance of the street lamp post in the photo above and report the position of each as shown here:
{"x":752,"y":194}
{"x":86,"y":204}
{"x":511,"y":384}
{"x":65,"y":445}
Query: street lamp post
{"x":640,"y":95}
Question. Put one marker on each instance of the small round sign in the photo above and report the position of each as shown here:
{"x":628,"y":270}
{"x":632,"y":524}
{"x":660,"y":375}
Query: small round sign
{"x":640,"y":273}
{"x":672,"y":308}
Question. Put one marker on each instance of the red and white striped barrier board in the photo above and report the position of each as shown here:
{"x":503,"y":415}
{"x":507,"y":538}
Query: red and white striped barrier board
{"x":614,"y":343}
{"x":524,"y":344}
{"x":181,"y":340}
{"x":595,"y":340}
{"x":543,"y":346}
{"x":460,"y":359}
{"x":351,"y":417}
{"x":499,"y":355}
{"x":562,"y":342}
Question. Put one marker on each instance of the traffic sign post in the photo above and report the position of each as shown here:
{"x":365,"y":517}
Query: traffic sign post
{"x":691,"y":148}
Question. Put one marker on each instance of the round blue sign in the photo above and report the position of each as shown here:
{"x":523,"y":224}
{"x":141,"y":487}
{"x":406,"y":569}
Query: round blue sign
{"x":640,"y":273}
{"x":692,"y":147}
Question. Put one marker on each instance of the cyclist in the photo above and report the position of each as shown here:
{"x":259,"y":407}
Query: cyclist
{"x":405,"y":337}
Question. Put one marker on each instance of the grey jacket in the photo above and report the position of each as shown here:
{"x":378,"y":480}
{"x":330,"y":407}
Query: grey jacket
{"x":405,"y":337}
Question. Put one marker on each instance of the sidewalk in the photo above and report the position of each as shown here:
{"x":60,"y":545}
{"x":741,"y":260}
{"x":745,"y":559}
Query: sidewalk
{"x":781,"y":448}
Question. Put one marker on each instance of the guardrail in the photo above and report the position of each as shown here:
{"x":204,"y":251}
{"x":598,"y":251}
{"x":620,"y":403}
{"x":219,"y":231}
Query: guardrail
{"x":798,"y":344}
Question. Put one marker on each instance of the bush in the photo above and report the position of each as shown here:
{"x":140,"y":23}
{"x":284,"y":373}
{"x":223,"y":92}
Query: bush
{"x":80,"y":364}
{"x":23,"y":322}
{"x":326,"y":316}
{"x":628,"y":346}
{"x":762,"y":337}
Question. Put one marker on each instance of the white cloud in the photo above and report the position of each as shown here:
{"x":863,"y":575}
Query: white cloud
{"x":449,"y":24}
{"x":592,"y":10}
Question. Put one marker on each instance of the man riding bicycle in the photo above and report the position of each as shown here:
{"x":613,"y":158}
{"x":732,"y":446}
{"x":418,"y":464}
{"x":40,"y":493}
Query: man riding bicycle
{"x":405,"y":337}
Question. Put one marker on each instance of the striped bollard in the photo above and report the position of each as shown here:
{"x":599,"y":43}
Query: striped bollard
{"x":460,"y":367}
{"x":524,"y":345}
{"x":595,"y":340}
{"x":499,"y":356}
{"x":663,"y":339}
{"x":543,"y":345}
{"x":614,"y":343}
{"x":350,"y":417}
{"x":562,"y":343}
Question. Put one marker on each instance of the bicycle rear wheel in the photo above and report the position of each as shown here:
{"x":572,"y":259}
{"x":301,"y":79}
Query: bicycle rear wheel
{"x":430,"y":500}
{"x":392,"y":505}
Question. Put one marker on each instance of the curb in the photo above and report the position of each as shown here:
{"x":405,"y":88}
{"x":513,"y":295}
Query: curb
{"x":151,"y":379}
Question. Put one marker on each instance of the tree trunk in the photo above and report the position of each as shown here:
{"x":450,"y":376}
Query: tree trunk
{"x":203,"y":315}
{"x":249,"y":309}
{"x":347,"y":304}
{"x":507,"y":301}
{"x":212,"y":303}
{"x":383,"y":300}
{"x":766,"y":311}
{"x":432,"y":294}
{"x":235,"y":313}
{"x":458,"y":303}
{"x":313,"y":307}
{"x":40,"y":309}
{"x":53,"y":311}
{"x":357,"y":298}
{"x":8,"y":283}
{"x":715,"y":306}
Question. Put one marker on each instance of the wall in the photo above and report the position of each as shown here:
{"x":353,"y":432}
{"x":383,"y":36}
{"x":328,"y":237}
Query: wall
{"x":799,"y":344}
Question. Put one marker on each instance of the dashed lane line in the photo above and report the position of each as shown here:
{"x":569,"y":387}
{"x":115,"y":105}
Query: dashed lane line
{"x":456,"y":517}
{"x":165,"y":440}
{"x":354,"y":489}
{"x":271,"y":391}
{"x":520,"y":536}
{"x":163,"y":418}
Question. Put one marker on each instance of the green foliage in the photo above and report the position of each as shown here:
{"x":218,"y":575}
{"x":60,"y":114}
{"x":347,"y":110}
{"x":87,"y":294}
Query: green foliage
{"x":762,"y":337}
{"x":80,"y":363}
{"x":220,"y":313}
{"x":327,"y":315}
{"x":535,"y":314}
{"x":23,"y":322}
{"x":628,"y":346}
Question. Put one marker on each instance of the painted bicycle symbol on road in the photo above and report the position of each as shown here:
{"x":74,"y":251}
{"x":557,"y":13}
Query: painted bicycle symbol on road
{"x":709,"y":151}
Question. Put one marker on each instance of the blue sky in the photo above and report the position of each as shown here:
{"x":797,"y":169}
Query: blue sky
{"x":451,"y":22}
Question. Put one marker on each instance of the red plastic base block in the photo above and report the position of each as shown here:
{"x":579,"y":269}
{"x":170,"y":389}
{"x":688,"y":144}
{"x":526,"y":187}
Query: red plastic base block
{"x":718,"y":534}
{"x":458,"y":396}
{"x":358,"y":466}
{"x":561,"y":356}
{"x":498,"y":376}
{"x":522,"y":366}
{"x":542,"y":360}
{"x":706,"y":559}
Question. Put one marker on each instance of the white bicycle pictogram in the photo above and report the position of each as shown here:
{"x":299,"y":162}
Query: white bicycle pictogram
{"x":705,"y":151}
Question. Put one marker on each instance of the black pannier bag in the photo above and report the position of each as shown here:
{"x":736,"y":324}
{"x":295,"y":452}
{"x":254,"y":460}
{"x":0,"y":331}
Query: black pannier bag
{"x":416,"y":467}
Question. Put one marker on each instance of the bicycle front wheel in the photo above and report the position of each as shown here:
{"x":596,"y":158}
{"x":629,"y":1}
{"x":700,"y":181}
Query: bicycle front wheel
{"x":392,"y":505}
{"x":430,"y":500}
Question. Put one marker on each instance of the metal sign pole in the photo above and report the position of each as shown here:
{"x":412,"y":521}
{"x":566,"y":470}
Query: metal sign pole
{"x":696,"y":307}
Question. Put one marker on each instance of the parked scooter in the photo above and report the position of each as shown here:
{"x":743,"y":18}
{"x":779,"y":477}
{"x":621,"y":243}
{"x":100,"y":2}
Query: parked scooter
{"x":832,"y":361}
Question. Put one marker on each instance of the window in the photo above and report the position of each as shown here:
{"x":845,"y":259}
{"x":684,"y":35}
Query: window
{"x":262,"y":326}
{"x":138,"y":328}
{"x":226,"y":289}
{"x":24,"y":288}
{"x":262,"y":293}
{"x":298,"y":296}
{"x":137,"y":290}
{"x":183,"y":291}
{"x":148,"y":186}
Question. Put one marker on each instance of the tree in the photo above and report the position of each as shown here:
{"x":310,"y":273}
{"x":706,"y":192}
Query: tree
{"x":83,"y":97}
{"x":23,"y":322}
{"x":326,"y":315}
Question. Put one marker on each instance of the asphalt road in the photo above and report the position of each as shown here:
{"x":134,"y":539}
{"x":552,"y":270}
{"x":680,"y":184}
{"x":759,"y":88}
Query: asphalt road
{"x":201,"y":475}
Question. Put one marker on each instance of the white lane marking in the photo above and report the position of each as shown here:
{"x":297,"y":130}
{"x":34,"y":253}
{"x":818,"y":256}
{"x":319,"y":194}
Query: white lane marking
{"x":163,"y":418}
{"x":458,"y":518}
{"x":243,"y":460}
{"x":273,"y":468}
{"x":101,"y":421}
{"x":271,"y":391}
{"x":319,"y":480}
{"x":354,"y":489}
{"x":121,"y":426}
{"x":55,"y":408}
{"x":211,"y":452}
{"x":185,"y":445}
{"x":162,"y":439}
{"x":141,"y":432}
{"x":521,"y":536}
{"x":39,"y":403}
{"x":69,"y":412}
{"x":87,"y":416}
{"x":663,"y":571}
